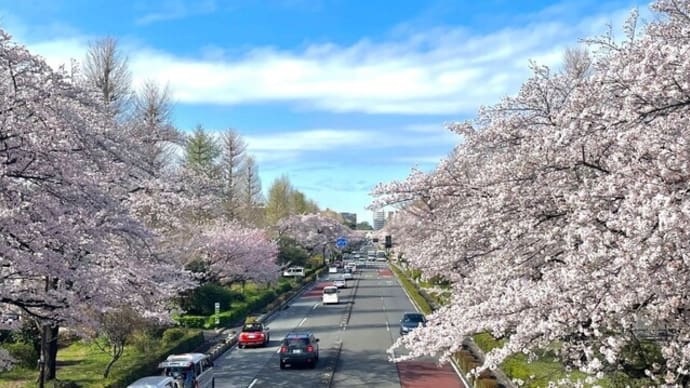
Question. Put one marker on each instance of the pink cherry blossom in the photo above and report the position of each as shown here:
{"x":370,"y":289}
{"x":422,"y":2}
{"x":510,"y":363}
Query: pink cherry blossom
{"x":563,"y":214}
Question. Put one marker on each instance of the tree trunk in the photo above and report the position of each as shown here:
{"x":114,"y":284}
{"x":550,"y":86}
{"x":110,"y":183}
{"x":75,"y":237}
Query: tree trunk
{"x":51,"y":360}
{"x":117,"y":352}
{"x":48,"y":356}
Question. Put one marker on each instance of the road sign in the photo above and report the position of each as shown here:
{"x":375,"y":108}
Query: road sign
{"x":341,"y":242}
{"x":216,"y":307}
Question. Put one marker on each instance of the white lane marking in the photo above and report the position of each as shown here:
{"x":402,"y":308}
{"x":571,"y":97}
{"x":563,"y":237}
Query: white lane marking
{"x":302,"y":323}
{"x":252,"y":384}
{"x":388,"y":328}
{"x":315,"y":306}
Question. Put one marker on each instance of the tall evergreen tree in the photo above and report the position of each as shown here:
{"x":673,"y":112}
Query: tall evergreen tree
{"x":201,"y":152}
{"x":251,"y":197}
{"x":232,"y":161}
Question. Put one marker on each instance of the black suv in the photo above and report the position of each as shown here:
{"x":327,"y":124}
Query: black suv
{"x":299,"y":348}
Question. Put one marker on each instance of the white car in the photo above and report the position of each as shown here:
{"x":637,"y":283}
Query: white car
{"x":294,"y":271}
{"x":330,"y":295}
{"x":332,"y":269}
{"x":154,"y":382}
{"x":340,"y":282}
{"x":196,"y":366}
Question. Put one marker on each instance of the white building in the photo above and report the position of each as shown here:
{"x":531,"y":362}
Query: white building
{"x":379,"y":219}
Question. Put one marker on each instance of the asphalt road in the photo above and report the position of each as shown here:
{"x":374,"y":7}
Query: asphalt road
{"x":353,"y":338}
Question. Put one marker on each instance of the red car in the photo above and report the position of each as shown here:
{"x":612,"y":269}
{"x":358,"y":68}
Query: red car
{"x":254,"y":334}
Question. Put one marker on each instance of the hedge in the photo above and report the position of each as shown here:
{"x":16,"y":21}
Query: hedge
{"x":265,"y":301}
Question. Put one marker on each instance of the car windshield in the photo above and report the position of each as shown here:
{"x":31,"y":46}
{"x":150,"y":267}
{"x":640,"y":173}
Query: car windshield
{"x":297,"y":342}
{"x":329,"y":290}
{"x":413,"y":318}
{"x":176,"y":371}
{"x":252,"y":327}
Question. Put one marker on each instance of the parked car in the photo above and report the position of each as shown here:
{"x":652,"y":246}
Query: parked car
{"x":411,"y":321}
{"x":154,"y":382}
{"x":294,"y":272}
{"x":195,"y":369}
{"x":254,"y":333}
{"x":330,"y":295}
{"x":299,"y":348}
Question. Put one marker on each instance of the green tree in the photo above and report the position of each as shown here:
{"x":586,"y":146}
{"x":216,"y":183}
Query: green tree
{"x":278,"y":205}
{"x":298,"y":203}
{"x":201,"y":151}
{"x":364,"y":226}
{"x":291,"y":252}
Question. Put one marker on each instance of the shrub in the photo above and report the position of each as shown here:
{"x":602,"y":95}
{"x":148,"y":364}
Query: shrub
{"x":144,"y":342}
{"x":67,"y":337}
{"x":193,"y":340}
{"x":195,"y":321}
{"x":486,"y":342}
{"x":173,"y":335}
{"x":283,"y":287}
{"x":25,"y":354}
{"x":201,"y":301}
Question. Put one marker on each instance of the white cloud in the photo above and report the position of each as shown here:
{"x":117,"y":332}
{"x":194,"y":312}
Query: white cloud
{"x":176,"y":9}
{"x":312,"y":140}
{"x":438,"y":71}
{"x":413,"y":136}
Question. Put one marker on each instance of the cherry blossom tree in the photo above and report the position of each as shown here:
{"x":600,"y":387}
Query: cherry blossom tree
{"x":68,"y":242}
{"x":563,"y":214}
{"x":233,"y":253}
{"x":315,"y":232}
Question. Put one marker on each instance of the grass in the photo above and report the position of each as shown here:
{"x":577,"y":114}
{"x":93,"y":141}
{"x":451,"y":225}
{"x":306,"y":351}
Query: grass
{"x":80,"y":362}
{"x":412,"y":291}
{"x":83,"y":362}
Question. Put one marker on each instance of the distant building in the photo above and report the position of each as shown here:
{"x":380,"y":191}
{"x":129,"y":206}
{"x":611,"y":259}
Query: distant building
{"x":379,"y":219}
{"x":350,"y":219}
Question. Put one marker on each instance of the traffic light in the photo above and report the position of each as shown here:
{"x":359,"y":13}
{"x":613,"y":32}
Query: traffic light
{"x":389,"y":242}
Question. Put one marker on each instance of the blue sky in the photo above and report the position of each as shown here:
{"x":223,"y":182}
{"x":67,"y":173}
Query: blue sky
{"x":336,"y":94}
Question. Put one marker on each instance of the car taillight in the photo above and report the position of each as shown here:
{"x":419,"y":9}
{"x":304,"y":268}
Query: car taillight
{"x":283,"y":349}
{"x":310,"y":348}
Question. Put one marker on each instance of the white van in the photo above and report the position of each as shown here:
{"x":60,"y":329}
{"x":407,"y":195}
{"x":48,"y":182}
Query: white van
{"x":330,"y":295}
{"x":294,"y":271}
{"x":195,"y":369}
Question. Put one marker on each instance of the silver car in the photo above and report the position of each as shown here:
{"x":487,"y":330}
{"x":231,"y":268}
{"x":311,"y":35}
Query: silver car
{"x":154,"y":382}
